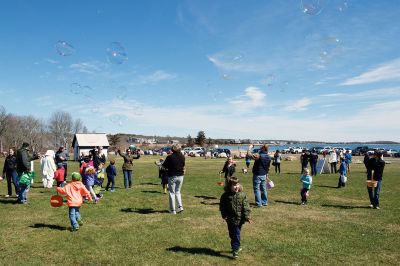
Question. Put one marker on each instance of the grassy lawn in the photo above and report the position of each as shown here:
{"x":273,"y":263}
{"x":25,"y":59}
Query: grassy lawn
{"x":133,"y":226}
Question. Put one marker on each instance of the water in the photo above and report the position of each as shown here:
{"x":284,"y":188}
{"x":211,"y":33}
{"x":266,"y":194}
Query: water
{"x":310,"y":145}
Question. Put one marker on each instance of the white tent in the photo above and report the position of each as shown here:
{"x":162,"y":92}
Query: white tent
{"x":84,"y":142}
{"x":323,"y":166}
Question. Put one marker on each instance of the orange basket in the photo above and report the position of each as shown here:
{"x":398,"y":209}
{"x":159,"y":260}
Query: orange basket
{"x":221,"y":184}
{"x":56,"y":201}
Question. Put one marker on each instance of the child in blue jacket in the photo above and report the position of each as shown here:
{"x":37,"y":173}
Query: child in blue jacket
{"x":342,"y":173}
{"x":111,"y":171}
{"x":306,"y":179}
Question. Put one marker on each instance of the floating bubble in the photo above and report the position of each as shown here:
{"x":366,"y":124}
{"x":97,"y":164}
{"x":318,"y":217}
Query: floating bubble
{"x":269,"y":80}
{"x":118,"y":119}
{"x":116,"y":53}
{"x":216,"y":95}
{"x":64,"y":49}
{"x":238,"y":58}
{"x":311,"y":7}
{"x":121,"y":92}
{"x":343,"y":5}
{"x":331,"y":47}
{"x":225,"y":76}
{"x":79,"y":89}
{"x":284,"y":86}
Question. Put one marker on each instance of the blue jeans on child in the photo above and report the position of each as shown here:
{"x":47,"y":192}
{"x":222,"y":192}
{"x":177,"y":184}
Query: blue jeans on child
{"x":374,"y":194}
{"x":260,"y":189}
{"x":127,"y":178}
{"x":74,"y":216}
{"x":23,"y":193}
{"x":110,"y":181}
{"x":234,"y":234}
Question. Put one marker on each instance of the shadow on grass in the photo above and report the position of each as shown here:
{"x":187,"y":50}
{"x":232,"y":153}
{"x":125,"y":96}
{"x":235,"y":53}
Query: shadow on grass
{"x":205,"y":197}
{"x":288,"y":202}
{"x":143,"y":210}
{"x":209,"y":203}
{"x":50,"y":226}
{"x":344,"y":206}
{"x":325,"y":186}
{"x":8,"y":201}
{"x":199,"y":251}
{"x":150,"y":183}
{"x":151,"y":191}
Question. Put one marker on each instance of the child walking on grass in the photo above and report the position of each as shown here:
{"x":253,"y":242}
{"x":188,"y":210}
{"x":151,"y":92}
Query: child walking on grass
{"x":75,"y":191}
{"x":59,"y":175}
{"x":111,"y":171}
{"x":306,"y":179}
{"x":162,"y":174}
{"x":235,"y":210}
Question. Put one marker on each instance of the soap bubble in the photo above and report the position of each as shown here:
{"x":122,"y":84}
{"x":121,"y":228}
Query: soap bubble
{"x":269,"y":80}
{"x":79,"y":89}
{"x":64,"y":49}
{"x":118,"y":119}
{"x":311,"y":7}
{"x":121,"y":92}
{"x":343,"y":5}
{"x":331,"y":47}
{"x":284,"y":86}
{"x":116,"y":53}
{"x":225,"y":76}
{"x":216,"y":95}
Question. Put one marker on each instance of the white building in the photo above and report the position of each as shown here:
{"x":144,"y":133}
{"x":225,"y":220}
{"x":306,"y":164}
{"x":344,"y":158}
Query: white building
{"x":83,"y":143}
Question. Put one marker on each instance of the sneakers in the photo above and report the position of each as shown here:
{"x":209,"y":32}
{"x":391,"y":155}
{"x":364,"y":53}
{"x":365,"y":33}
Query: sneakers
{"x":80,"y":222}
{"x":370,"y":206}
{"x":74,"y":229}
{"x":96,"y":200}
{"x":180,"y":209}
{"x":377,"y":208}
{"x":112,"y":190}
{"x":235,"y":253}
{"x":7,"y":196}
{"x":172,"y":212}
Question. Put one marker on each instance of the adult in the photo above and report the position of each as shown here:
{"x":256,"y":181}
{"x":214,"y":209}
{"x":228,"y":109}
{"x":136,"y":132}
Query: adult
{"x":313,"y":162}
{"x":49,"y":168}
{"x":10,"y":172}
{"x":62,"y":156}
{"x":277,"y":161}
{"x":378,"y":164}
{"x":127,"y":167}
{"x":24,"y":166}
{"x":260,"y":171}
{"x":98,"y":157}
{"x":348,"y":158}
{"x":333,"y":161}
{"x":175,"y":165}
{"x":304,"y":159}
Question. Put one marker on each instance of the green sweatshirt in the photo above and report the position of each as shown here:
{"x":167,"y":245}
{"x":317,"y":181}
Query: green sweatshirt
{"x":234,"y":207}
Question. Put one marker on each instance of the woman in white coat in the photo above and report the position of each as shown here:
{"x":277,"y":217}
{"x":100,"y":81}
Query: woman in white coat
{"x":48,"y":167}
{"x":333,"y":161}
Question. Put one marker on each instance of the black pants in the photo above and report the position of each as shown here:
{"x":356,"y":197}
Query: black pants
{"x":333,"y":168}
{"x":110,"y":181}
{"x":313,"y":169}
{"x":277,"y":168}
{"x":303,"y":194}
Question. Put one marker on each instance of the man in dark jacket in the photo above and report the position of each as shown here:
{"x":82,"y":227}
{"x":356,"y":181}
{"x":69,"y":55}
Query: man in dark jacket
{"x":24,"y":159}
{"x":377,"y":164}
{"x":175,"y":165}
{"x":261,"y":166}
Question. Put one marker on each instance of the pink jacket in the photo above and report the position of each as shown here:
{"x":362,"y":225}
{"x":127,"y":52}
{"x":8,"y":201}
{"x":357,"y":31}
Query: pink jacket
{"x":74,"y":191}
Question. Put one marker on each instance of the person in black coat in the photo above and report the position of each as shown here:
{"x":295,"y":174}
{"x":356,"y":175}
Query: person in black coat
{"x":10,"y":172}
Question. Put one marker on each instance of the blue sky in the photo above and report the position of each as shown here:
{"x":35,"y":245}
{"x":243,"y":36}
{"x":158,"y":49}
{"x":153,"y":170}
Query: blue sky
{"x":235,"y":69}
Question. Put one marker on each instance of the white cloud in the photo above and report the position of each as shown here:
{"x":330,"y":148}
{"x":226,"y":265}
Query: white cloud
{"x":234,"y":62}
{"x":157,"y":76}
{"x":299,"y":105}
{"x":375,"y":93}
{"x":252,"y":98}
{"x":43,"y":101}
{"x":385,"y":72}
{"x":88,"y":67}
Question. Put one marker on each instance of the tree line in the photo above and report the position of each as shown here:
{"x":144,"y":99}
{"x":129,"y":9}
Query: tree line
{"x":42,"y":134}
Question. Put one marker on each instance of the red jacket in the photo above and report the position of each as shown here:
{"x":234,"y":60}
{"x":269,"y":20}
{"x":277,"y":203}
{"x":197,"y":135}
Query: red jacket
{"x":74,"y":191}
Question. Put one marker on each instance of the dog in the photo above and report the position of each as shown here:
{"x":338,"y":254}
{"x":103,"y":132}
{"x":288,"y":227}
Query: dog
{"x":244,"y":170}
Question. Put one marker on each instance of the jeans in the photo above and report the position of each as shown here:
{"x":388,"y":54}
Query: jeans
{"x":74,"y":216}
{"x":110,"y":181}
{"x":260,"y":189}
{"x":234,"y":234}
{"x":313,"y":169}
{"x":127,"y":178}
{"x":12,"y":176}
{"x":23,"y":193}
{"x":374,"y":194}
{"x":277,"y":168}
{"x":174,"y":189}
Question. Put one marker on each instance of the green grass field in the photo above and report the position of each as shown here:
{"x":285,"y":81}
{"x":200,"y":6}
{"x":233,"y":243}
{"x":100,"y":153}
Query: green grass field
{"x":133,"y":227}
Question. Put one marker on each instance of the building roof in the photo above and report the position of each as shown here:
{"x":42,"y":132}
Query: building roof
{"x":91,"y":139}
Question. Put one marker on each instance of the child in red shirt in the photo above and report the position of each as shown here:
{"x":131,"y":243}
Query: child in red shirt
{"x":59,"y":175}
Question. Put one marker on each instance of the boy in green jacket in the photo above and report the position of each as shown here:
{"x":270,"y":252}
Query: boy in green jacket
{"x":235,"y":210}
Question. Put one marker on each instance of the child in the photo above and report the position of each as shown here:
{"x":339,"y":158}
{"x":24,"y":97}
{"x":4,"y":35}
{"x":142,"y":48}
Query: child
{"x":111,"y":171}
{"x":229,"y":168}
{"x":89,"y":180}
{"x":162,"y":174}
{"x":342,"y":173}
{"x":24,"y":183}
{"x":306,"y":179}
{"x":74,"y":191}
{"x":235,"y":210}
{"x":59,"y":175}
{"x":98,"y":182}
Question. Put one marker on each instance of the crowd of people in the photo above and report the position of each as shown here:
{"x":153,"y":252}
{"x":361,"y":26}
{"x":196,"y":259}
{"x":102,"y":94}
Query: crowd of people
{"x":87,"y":184}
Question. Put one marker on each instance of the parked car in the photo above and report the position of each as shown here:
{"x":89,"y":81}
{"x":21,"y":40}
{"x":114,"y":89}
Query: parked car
{"x":318,"y":149}
{"x":167,"y":150}
{"x":298,"y":150}
{"x":389,"y":153}
{"x":197,"y":150}
{"x":218,"y":151}
{"x":287,"y":150}
{"x":361,"y":150}
{"x":397,"y":154}
{"x":187,"y":150}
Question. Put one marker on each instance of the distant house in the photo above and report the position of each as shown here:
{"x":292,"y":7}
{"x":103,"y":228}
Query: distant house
{"x":83,"y":143}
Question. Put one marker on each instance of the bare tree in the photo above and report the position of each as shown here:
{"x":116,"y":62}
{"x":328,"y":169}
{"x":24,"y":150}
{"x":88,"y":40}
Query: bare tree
{"x":60,"y":127}
{"x":78,"y":126}
{"x":3,"y":124}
